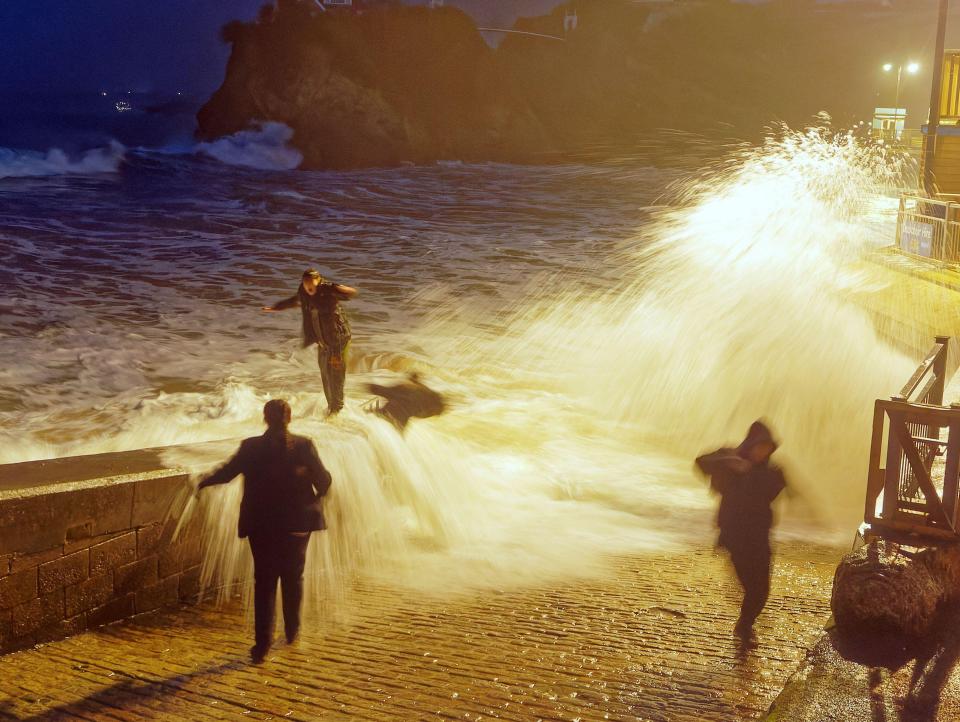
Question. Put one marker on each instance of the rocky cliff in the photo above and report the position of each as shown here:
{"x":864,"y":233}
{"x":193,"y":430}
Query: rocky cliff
{"x":397,"y":83}
{"x":390,"y":85}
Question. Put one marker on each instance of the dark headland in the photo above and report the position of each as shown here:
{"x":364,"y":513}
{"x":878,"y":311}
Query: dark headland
{"x":395,"y":83}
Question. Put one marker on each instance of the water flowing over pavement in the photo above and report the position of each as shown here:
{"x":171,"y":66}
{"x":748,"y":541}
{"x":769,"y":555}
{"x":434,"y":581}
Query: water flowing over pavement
{"x":651,"y":641}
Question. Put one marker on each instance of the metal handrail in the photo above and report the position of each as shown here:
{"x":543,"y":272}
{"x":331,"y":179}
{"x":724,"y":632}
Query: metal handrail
{"x":929,"y":228}
{"x":932,"y":366}
{"x":910,"y":427}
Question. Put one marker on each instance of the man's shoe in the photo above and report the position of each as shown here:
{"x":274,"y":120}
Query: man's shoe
{"x":258,"y":653}
{"x":745,"y":634}
{"x":292,"y":637}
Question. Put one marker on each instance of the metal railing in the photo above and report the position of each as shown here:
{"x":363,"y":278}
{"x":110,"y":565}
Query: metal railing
{"x":929,"y":228}
{"x":906,"y":138}
{"x":902,"y":496}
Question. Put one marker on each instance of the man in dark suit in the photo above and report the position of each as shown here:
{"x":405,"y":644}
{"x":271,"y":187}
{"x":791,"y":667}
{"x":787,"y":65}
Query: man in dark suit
{"x":284,"y":482}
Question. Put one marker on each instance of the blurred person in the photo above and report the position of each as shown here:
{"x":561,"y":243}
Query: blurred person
{"x":284,"y":482}
{"x":408,"y":399}
{"x":324,"y":324}
{"x":747,"y":483}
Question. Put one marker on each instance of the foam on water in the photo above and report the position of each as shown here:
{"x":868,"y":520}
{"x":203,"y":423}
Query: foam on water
{"x":26,"y":163}
{"x":265,"y":148}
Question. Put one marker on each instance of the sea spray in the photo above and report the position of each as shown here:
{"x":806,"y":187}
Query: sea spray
{"x":738,"y":301}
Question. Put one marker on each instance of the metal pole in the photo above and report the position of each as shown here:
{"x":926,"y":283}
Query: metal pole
{"x":929,"y":153}
{"x":896,"y":105}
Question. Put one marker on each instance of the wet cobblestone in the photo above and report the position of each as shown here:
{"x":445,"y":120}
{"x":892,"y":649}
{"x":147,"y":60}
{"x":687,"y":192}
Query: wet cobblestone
{"x":651,"y":641}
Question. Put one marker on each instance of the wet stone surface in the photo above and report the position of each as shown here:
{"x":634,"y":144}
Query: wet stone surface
{"x":652,"y":641}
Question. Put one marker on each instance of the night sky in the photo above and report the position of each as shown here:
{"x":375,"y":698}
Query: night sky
{"x":58,"y":46}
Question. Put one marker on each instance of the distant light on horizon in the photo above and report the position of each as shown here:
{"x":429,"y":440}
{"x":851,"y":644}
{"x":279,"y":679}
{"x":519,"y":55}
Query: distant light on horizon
{"x":887,"y":67}
{"x":913,"y":67}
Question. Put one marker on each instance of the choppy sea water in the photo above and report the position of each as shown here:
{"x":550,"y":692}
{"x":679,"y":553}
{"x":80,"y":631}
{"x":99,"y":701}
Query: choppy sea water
{"x":593,"y":326}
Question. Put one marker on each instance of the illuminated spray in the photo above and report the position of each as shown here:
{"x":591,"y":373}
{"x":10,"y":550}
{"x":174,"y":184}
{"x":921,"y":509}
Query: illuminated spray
{"x":578,"y":416}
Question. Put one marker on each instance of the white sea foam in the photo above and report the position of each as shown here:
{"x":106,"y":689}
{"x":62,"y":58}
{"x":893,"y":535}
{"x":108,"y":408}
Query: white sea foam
{"x":264,"y":147}
{"x":26,"y":163}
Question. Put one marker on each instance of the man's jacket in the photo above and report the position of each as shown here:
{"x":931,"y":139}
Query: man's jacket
{"x":283,"y":484}
{"x":745,"y":497}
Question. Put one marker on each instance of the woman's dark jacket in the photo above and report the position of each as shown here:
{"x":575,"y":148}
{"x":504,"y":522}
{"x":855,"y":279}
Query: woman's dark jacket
{"x":283,"y":484}
{"x":324,"y":321}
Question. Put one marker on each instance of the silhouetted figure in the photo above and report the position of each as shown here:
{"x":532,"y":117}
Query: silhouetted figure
{"x":407,"y":400}
{"x":326,"y":325}
{"x":284,"y":482}
{"x":747,"y":483}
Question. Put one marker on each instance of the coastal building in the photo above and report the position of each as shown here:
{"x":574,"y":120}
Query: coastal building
{"x":946,"y":159}
{"x":888,"y":123}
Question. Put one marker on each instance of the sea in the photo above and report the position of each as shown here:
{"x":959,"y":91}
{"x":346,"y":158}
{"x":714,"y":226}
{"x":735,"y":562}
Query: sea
{"x":594,"y":325}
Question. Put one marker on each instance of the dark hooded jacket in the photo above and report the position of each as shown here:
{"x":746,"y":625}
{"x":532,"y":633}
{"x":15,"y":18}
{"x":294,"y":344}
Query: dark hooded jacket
{"x":323,"y":319}
{"x":745,"y":515}
{"x":284,"y":482}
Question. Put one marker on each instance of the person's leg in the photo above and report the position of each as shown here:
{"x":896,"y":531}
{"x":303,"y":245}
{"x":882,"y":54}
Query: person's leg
{"x":752,"y":566}
{"x":291,"y":581}
{"x":338,"y":376}
{"x":265,"y":574}
{"x":323,"y":360}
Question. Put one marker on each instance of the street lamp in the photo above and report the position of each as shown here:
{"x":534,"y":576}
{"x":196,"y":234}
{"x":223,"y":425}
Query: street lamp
{"x":912,"y":68}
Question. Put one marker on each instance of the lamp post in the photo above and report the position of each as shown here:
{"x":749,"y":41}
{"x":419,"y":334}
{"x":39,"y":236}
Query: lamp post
{"x":911,"y":68}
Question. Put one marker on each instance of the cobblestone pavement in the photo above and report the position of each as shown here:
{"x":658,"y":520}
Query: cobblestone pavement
{"x":651,"y":641}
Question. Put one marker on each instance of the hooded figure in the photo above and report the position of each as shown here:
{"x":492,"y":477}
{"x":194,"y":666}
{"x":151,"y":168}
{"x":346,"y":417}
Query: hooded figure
{"x":747,"y":483}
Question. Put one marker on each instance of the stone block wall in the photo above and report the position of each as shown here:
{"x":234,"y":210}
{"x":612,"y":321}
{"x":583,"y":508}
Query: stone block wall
{"x":80,"y":554}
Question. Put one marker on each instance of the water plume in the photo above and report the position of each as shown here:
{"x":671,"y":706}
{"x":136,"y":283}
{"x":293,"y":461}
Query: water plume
{"x":740,"y":301}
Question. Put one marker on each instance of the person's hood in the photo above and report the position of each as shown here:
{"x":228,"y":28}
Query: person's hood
{"x":759,"y":433}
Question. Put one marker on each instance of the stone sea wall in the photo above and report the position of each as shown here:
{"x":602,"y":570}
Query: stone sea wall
{"x":84,"y":541}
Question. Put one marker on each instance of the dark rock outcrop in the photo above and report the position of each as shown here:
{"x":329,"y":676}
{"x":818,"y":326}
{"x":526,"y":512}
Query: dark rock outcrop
{"x":391,"y":85}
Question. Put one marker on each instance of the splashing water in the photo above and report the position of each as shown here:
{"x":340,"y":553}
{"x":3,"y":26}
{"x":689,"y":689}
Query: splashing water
{"x":738,"y":303}
{"x":264,"y":148}
{"x":577,"y":406}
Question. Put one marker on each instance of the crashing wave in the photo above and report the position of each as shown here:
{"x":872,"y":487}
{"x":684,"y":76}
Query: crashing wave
{"x":28,"y":163}
{"x":264,"y":147}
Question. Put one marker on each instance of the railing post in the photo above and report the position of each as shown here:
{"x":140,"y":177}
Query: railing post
{"x":891,"y":480}
{"x":900,"y":214}
{"x":941,"y":249}
{"x":940,"y":371}
{"x":951,"y":474}
{"x":875,"y":480}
